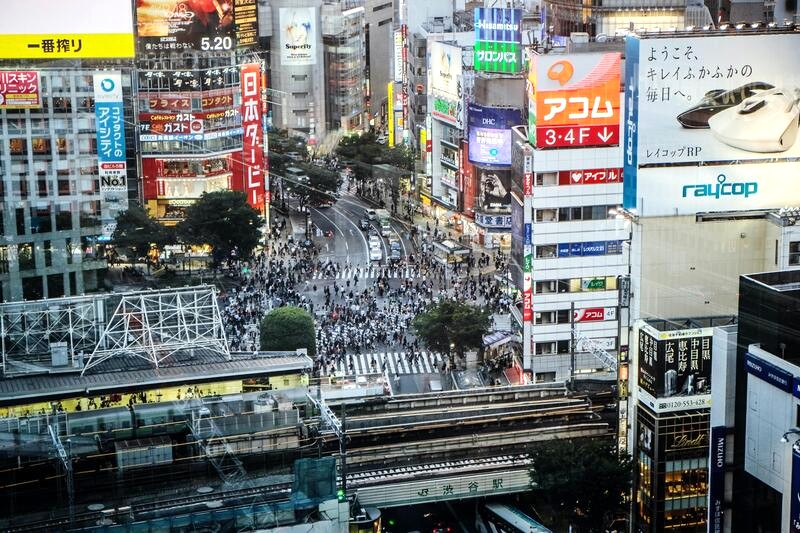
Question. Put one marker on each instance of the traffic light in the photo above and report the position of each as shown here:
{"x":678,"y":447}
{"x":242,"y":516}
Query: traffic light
{"x":245,"y":270}
{"x":340,"y":495}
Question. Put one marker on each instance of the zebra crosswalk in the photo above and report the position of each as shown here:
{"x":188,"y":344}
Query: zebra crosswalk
{"x":392,"y":362}
{"x":367,"y":273}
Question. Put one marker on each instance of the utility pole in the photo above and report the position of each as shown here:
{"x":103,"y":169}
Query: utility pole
{"x":343,"y":449}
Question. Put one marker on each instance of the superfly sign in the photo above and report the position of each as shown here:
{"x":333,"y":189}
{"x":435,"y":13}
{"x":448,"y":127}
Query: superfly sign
{"x":574,"y":100}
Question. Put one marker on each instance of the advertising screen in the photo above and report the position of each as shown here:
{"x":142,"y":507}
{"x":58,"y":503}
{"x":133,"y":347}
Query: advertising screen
{"x":20,"y":89}
{"x":47,"y":29}
{"x":112,"y":167}
{"x":497,"y":57}
{"x":490,"y":134}
{"x":710,"y":100}
{"x":245,"y":15}
{"x":675,"y":363}
{"x":574,"y":100}
{"x":206,"y":25}
{"x":445,"y":71}
{"x":498,"y":25}
{"x":494,"y":188}
{"x":298,"y":38}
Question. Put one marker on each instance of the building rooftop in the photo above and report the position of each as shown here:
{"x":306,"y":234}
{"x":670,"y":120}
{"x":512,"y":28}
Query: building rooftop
{"x":785,"y":281}
{"x":133,"y":373}
{"x":677,"y":324}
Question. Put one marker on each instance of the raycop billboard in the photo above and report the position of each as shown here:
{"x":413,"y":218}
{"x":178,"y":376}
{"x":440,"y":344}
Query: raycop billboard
{"x":490,"y":134}
{"x":721,"y":123}
{"x":674,"y":367}
{"x":78,"y":29}
{"x":574,"y":100}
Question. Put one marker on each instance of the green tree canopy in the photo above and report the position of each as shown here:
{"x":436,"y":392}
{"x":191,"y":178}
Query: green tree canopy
{"x":223,"y":220}
{"x":288,"y":328}
{"x":136,"y":230}
{"x":585,"y":481}
{"x":322,"y":183}
{"x":366,"y":149}
{"x":452,"y":322}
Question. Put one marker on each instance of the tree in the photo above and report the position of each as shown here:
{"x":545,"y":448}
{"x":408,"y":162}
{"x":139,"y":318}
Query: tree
{"x":585,"y":481}
{"x":137,"y":231}
{"x":224,"y":221}
{"x":287,"y":329}
{"x":452,"y":323}
{"x":322,"y":183}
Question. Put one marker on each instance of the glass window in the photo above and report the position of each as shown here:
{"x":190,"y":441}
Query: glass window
{"x":546,"y":251}
{"x":63,"y":217}
{"x":547,"y":179}
{"x":40,"y":219}
{"x":794,"y":253}
{"x":546,"y":215}
{"x":27,"y":257}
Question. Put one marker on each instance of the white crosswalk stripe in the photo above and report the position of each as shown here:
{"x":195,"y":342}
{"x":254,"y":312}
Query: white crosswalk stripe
{"x":366,"y":273}
{"x":392,"y":362}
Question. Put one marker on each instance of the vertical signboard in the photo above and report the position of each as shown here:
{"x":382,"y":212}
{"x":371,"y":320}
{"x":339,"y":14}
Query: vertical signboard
{"x":390,"y":113}
{"x":716,"y":480}
{"x":574,"y":101}
{"x":794,"y":507}
{"x":253,"y":137}
{"x":108,"y":111}
{"x":398,"y":56}
{"x":298,"y":38}
{"x":245,"y":14}
{"x":498,"y":37}
{"x":20,"y":89}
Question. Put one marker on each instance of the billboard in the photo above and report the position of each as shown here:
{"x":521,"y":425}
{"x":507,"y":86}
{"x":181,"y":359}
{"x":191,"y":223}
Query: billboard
{"x":494,"y":188}
{"x":595,"y":314}
{"x":245,"y":16}
{"x":444,"y":78}
{"x":298,"y":37}
{"x":112,"y":167}
{"x":174,"y":25}
{"x":498,"y":25}
{"x":590,"y":176}
{"x":253,"y":136}
{"x":497,"y":57}
{"x":716,"y":480}
{"x":20,"y":89}
{"x":574,"y":101}
{"x":688,"y":190}
{"x":43,"y":29}
{"x":674,"y":363}
{"x":398,"y":56}
{"x":490,"y":134}
{"x":710,"y":101}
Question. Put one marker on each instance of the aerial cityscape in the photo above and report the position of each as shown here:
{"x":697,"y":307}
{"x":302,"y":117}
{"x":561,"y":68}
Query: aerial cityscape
{"x":400,"y":266}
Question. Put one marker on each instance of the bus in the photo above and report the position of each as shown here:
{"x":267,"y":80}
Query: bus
{"x":383,"y":220}
{"x":506,"y":519}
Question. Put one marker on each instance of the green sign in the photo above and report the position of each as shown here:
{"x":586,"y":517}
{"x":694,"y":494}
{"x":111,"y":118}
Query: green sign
{"x":497,"y":57}
{"x":593,"y":284}
{"x":528,"y":266}
{"x":442,"y":109}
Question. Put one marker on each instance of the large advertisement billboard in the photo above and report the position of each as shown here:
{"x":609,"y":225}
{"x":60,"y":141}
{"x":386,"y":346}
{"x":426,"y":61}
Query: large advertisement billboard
{"x":20,"y":89}
{"x":710,"y":100}
{"x":112,"y":166}
{"x":78,"y":29}
{"x":445,"y":71}
{"x":174,"y":25}
{"x":574,"y":101}
{"x":498,"y":37}
{"x":490,"y":134}
{"x":674,"y":364}
{"x":252,"y":167}
{"x":298,"y":37}
{"x":494,"y":188}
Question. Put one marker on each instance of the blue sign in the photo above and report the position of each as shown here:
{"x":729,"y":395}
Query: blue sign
{"x":631,"y":156}
{"x":495,"y":118}
{"x":794,"y":507}
{"x":768,"y":372}
{"x":498,"y":25}
{"x":493,"y":221}
{"x":796,"y":387}
{"x":528,"y":234}
{"x":110,"y":132}
{"x":589,"y":249}
{"x":716,"y":480}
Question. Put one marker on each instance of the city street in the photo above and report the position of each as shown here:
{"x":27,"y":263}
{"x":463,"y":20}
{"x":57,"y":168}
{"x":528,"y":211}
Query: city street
{"x":363,"y":306}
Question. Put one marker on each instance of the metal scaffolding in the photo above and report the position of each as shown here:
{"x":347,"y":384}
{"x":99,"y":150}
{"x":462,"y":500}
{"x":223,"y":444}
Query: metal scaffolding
{"x":41,"y":335}
{"x":154,"y":325}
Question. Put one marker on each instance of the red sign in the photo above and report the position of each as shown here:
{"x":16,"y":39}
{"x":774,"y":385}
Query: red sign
{"x":590,"y":177}
{"x":171,"y":123}
{"x":527,"y":184}
{"x":216,"y":99}
{"x":19,"y":89}
{"x":527,"y":305}
{"x":252,"y":164}
{"x":468,"y":182}
{"x":595,"y":314}
{"x":576,"y":100}
{"x":169,"y":103}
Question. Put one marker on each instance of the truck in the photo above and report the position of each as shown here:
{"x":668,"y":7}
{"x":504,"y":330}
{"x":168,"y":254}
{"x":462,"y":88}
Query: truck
{"x":383,"y":219}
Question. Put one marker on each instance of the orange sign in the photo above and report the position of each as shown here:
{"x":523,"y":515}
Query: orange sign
{"x":575,"y":101}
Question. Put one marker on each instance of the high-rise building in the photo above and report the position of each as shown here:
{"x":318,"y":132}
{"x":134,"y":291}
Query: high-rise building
{"x":64,"y":155}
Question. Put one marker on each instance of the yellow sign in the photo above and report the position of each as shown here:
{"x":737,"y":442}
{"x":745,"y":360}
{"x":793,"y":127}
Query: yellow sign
{"x":390,"y":112}
{"x":423,"y":143}
{"x":66,"y":46}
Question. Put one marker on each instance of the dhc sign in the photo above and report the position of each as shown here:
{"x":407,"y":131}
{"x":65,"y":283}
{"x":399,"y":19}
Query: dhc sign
{"x":721,"y":188}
